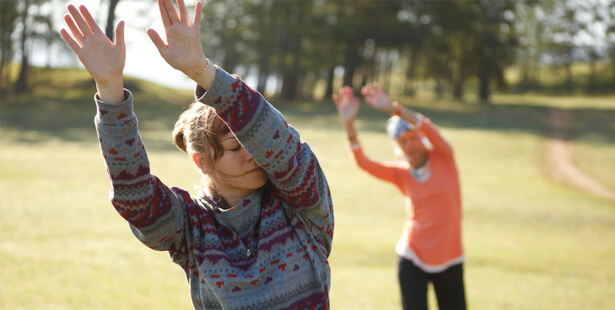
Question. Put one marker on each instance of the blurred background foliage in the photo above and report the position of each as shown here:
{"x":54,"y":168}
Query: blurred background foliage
{"x":306,"y":49}
{"x":531,"y":243}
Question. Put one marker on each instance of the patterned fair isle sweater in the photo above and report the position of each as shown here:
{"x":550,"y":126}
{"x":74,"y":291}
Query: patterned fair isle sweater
{"x":269,"y":251}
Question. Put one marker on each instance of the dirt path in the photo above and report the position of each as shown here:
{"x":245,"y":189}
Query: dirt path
{"x":559,"y":160}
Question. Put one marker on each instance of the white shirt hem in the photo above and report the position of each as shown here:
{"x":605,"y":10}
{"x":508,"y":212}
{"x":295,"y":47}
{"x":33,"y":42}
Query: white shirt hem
{"x":403,"y":250}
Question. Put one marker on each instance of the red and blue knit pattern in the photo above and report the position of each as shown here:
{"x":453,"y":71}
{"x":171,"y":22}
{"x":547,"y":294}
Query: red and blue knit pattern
{"x":269,"y":252}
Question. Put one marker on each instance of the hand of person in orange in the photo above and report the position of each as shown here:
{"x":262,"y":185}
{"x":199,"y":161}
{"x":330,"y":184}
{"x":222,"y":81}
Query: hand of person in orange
{"x":377,"y":98}
{"x":347,"y":104}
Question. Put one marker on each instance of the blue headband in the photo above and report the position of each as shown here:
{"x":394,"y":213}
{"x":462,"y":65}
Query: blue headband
{"x":396,"y":126}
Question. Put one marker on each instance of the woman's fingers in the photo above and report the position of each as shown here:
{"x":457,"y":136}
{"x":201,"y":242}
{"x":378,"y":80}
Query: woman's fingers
{"x":156,"y":39}
{"x":197,"y":15}
{"x":370,"y":92}
{"x":171,"y":12}
{"x":74,"y":29}
{"x":103,"y":59}
{"x":335,"y":99}
{"x":348,"y":93}
{"x":69,"y":40}
{"x":172,"y":15}
{"x":89,"y":19}
{"x":183,"y":12}
{"x":78,"y":19}
{"x":163,"y":13}
{"x":81,"y":24}
{"x":119,"y":33}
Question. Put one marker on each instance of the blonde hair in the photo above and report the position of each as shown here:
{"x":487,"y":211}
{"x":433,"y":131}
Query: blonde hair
{"x":198,"y":131}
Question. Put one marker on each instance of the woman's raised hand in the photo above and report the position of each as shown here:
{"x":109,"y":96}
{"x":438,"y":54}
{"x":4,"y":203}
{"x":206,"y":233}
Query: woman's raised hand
{"x":377,"y":98}
{"x":182,"y":49}
{"x":347,"y":104}
{"x":103,"y":59}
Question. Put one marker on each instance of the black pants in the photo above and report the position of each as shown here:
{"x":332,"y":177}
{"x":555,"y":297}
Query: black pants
{"x":447,"y":284}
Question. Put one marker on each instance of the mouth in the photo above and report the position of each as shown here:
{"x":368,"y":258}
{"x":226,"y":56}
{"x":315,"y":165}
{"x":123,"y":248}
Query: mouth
{"x":257,"y":169}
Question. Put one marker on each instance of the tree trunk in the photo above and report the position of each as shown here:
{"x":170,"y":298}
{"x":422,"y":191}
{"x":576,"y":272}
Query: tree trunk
{"x":231,"y":60}
{"x":411,"y":74}
{"x":568,"y":83}
{"x":369,"y":70}
{"x":458,"y":81}
{"x":289,"y":86}
{"x":438,"y":89}
{"x":264,"y":46}
{"x":290,"y":80}
{"x":592,"y":87}
{"x":489,"y":47}
{"x":387,"y":75}
{"x":109,"y":30}
{"x":330,"y":79}
{"x":5,"y":69}
{"x":263,"y":75}
{"x":611,"y":53}
{"x":9,"y":15}
{"x":484,"y":78}
{"x":486,"y":68}
{"x":22,"y":81}
{"x":350,"y":64}
{"x":441,"y":79}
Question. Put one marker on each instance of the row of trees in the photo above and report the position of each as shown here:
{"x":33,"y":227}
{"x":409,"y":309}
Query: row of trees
{"x":305,"y":41}
{"x":302,"y":43}
{"x":22,"y":22}
{"x":447,"y":42}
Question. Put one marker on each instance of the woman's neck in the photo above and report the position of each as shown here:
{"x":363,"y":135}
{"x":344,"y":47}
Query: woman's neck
{"x":418,"y":160}
{"x":233,"y":197}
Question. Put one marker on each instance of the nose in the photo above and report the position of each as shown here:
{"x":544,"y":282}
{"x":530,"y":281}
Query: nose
{"x":247,"y":155}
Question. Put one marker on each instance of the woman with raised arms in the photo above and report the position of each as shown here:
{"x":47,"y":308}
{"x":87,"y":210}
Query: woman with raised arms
{"x":258,"y":234}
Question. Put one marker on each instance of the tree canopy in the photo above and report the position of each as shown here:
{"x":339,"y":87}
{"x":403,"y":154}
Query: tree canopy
{"x":302,"y":44}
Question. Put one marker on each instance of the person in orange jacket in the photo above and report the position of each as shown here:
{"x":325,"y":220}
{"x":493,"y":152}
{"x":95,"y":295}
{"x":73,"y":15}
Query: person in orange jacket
{"x":430,"y":247}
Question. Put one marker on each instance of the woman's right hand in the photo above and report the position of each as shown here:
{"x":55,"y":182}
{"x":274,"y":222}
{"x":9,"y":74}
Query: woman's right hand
{"x":103,"y":59}
{"x":182,"y":49}
{"x":347,"y":104}
{"x":377,"y":98}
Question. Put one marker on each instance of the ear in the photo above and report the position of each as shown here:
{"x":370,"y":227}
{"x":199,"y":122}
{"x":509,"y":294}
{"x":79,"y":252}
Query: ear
{"x":200,"y":162}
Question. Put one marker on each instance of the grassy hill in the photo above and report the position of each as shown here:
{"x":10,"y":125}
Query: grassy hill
{"x":530,"y":243}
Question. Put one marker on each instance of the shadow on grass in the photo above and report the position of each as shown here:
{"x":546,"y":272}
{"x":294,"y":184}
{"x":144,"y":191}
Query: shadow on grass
{"x":597,"y":124}
{"x":61,"y":107}
{"x":65,"y":111}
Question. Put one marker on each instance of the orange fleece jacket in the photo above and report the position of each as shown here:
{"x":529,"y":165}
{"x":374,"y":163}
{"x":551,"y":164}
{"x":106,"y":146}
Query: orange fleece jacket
{"x":433,"y":208}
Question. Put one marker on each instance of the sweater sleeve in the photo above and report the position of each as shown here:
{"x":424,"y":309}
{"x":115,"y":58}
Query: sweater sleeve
{"x":440,"y":145}
{"x":154,"y":211}
{"x":388,"y":173}
{"x":277,"y":147}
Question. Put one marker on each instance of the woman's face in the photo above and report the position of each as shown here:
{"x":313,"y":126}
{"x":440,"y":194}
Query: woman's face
{"x":411,"y":143}
{"x":236,"y":170}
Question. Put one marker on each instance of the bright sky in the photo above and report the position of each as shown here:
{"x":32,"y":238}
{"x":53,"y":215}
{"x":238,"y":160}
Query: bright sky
{"x":142,"y":57}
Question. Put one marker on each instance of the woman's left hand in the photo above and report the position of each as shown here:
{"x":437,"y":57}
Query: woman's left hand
{"x":182,"y":50}
{"x":347,"y":104}
{"x":103,"y":59}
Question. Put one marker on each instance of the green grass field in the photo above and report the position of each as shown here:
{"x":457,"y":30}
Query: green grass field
{"x":530,"y":243}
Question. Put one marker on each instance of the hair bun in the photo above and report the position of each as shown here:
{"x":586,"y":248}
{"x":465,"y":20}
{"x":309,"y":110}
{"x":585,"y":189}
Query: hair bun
{"x":178,"y":136}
